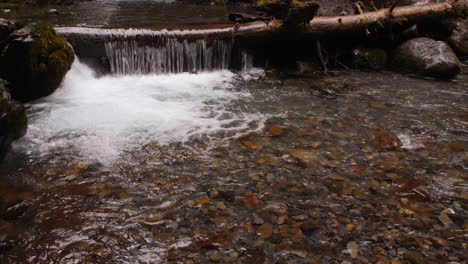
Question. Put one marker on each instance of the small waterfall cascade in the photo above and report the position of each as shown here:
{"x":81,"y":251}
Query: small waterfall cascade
{"x":168,"y":55}
{"x":148,"y":51}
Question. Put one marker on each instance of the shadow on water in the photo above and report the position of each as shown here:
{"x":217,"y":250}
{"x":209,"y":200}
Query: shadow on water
{"x":126,"y":13}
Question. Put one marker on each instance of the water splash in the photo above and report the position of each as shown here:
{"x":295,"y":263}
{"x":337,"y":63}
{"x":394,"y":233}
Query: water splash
{"x":100,"y":118}
{"x":170,"y":55}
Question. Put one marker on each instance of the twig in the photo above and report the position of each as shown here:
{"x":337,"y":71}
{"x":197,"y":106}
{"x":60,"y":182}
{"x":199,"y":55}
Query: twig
{"x":342,"y":65}
{"x":373,"y":5}
{"x":359,"y":5}
{"x":390,"y":11}
{"x":319,"y":54}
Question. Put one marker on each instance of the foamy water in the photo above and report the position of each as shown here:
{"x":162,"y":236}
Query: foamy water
{"x":102,"y":117}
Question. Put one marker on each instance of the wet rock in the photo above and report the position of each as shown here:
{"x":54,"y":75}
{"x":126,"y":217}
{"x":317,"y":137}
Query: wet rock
{"x":13,"y":120}
{"x":9,"y":231}
{"x":251,"y":203}
{"x":300,"y":13}
{"x":275,"y":208}
{"x":385,"y":140}
{"x":275,"y":130}
{"x":459,"y":38}
{"x":415,"y":257}
{"x":265,"y":231}
{"x":249,"y":144}
{"x":35,"y":61}
{"x":370,"y":59}
{"x":6,"y":28}
{"x":309,"y":228}
{"x":306,"y":158}
{"x":427,"y":57}
{"x":331,"y":87}
{"x":215,"y":258}
{"x":276,"y":8}
{"x":336,"y":7}
{"x":377,"y":105}
{"x":353,"y":249}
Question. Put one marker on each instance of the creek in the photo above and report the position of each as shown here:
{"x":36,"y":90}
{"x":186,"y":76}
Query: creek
{"x":174,"y":157}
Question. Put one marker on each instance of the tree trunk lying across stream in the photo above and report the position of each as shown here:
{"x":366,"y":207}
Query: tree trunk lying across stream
{"x":404,"y":15}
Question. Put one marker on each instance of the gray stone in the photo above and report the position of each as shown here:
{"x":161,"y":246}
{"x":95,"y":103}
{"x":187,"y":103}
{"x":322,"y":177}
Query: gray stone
{"x":426,"y":57}
{"x":459,"y":38}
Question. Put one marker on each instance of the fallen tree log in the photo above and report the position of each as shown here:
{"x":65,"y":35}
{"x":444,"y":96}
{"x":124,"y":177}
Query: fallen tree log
{"x":404,"y":15}
{"x":399,"y":15}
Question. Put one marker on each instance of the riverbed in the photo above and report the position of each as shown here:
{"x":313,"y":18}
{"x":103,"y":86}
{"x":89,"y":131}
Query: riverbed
{"x":239,"y":167}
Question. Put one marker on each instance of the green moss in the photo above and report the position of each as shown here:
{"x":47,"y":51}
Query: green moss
{"x":403,"y":63}
{"x":8,"y":6}
{"x":36,"y":68}
{"x":374,"y":59}
{"x":277,"y":8}
{"x":300,"y":13}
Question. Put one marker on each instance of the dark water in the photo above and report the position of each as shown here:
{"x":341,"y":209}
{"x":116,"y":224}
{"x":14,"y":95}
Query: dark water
{"x":104,"y":177}
{"x":125,"y":13}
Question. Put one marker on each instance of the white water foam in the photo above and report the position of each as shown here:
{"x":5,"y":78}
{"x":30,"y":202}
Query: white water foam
{"x":100,"y":118}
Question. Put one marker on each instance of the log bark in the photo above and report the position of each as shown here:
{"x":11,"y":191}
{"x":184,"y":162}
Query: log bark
{"x":399,"y":15}
{"x":404,"y":15}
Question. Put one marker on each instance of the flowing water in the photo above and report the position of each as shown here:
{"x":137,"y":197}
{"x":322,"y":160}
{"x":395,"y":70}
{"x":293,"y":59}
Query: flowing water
{"x":148,"y":168}
{"x":173,"y":157}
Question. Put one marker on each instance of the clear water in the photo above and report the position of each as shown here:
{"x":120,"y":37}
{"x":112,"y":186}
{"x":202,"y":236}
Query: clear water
{"x":112,"y":167}
{"x":100,"y":118}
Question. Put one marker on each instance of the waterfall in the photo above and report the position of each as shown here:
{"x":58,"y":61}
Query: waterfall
{"x":169,"y":55}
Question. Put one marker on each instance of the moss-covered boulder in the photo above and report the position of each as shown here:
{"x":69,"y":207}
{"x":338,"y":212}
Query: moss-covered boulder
{"x":300,"y":13}
{"x":370,"y":59}
{"x":13,"y":120}
{"x":276,"y":8}
{"x":426,"y":57}
{"x":35,"y":61}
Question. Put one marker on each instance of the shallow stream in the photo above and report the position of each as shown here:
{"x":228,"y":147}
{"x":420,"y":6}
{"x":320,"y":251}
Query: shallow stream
{"x":237,"y":167}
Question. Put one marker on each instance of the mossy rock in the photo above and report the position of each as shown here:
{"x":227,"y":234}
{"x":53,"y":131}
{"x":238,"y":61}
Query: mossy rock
{"x":13,"y":121}
{"x":300,"y":13}
{"x":35,"y":61}
{"x":426,"y":57}
{"x":370,"y":59}
{"x":276,"y":8}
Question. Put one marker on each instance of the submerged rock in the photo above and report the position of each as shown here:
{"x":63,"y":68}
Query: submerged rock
{"x":35,"y":61}
{"x":427,"y":57}
{"x":13,"y":121}
{"x":459,"y":37}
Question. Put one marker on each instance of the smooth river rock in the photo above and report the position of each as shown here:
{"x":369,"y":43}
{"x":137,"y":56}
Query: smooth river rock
{"x":426,"y":57}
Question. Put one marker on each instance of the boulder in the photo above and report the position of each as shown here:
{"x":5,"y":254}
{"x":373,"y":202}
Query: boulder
{"x":35,"y":61}
{"x":459,"y":38}
{"x":13,"y":120}
{"x":426,"y":57}
{"x":336,"y":7}
{"x":300,"y":13}
{"x":6,"y":28}
{"x":370,"y":59}
{"x":276,"y":8}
